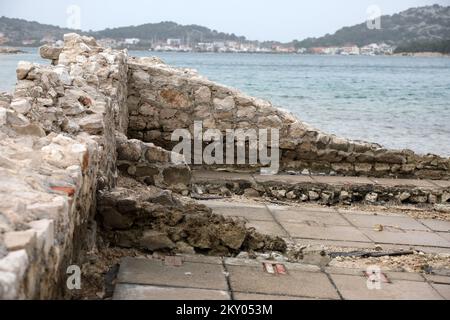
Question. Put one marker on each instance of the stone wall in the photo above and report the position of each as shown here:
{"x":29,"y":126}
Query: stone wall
{"x":162,"y":99}
{"x":153,"y":165}
{"x":57,"y":147}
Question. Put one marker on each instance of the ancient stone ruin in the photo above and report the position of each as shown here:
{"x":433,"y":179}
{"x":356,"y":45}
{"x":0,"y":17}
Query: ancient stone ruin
{"x":85,"y":154}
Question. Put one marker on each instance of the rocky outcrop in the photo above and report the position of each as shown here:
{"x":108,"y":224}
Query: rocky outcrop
{"x":57,"y":148}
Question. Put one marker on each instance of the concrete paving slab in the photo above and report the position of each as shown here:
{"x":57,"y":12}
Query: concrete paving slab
{"x":410,"y":276}
{"x":445,"y":235}
{"x":437,"y":279}
{"x":441,"y":183}
{"x":259,"y":264}
{"x":319,"y":244}
{"x":282,"y":179}
{"x":305,"y":206}
{"x":248,"y":212}
{"x":355,"y":288}
{"x":189,"y":275}
{"x":412,"y":238}
{"x":254,"y":296}
{"x":338,"y":180}
{"x":295,"y":283}
{"x":443,"y":289}
{"x":143,"y":292}
{"x":404,"y":183}
{"x":380,"y":213}
{"x":343,"y":233}
{"x":198,"y":258}
{"x":309,"y":217}
{"x":222,"y":176}
{"x":436,"y":225}
{"x":267,"y":227}
{"x":369,"y":221}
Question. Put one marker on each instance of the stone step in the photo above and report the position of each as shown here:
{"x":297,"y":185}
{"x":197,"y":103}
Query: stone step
{"x":323,"y":189}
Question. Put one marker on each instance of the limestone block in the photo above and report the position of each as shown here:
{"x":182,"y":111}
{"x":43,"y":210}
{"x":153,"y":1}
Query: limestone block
{"x":18,"y":240}
{"x":246,"y":112}
{"x":15,"y":262}
{"x":8,"y":286}
{"x":22,"y":106}
{"x":224,"y":105}
{"x":92,"y":124}
{"x":203,"y":95}
{"x":23,"y":69}
{"x":45,"y":233}
{"x":154,"y":240}
{"x":50,"y":52}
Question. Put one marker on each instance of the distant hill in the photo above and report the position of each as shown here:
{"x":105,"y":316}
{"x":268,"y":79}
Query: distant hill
{"x":441,"y":46}
{"x":168,"y":30}
{"x":16,"y":31}
{"x":413,"y":25}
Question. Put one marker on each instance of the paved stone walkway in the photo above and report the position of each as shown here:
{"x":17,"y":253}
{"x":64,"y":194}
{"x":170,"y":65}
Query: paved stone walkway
{"x":214,"y":278}
{"x":206,"y":278}
{"x":339,"y":227}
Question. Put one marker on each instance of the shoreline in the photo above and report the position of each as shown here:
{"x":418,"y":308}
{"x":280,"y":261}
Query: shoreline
{"x":10,"y":50}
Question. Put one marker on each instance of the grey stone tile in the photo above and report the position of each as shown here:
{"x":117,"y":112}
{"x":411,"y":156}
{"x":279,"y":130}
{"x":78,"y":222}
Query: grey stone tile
{"x":189,"y":275}
{"x":256,"y":296}
{"x":343,"y":233}
{"x":267,"y":227}
{"x":443,"y":289}
{"x":441,"y":183}
{"x":419,"y":238}
{"x":437,"y":279}
{"x":144,"y":292}
{"x":305,"y":207}
{"x":247,"y":212}
{"x":282,"y":179}
{"x":445,"y":235}
{"x":295,"y":283}
{"x":437,"y":225}
{"x":309,"y":217}
{"x":380,"y":213}
{"x":410,"y":276}
{"x":403,"y":183}
{"x":338,"y":180}
{"x":215,"y":176}
{"x":391,"y":275}
{"x":315,"y":244}
{"x":259,"y":264}
{"x":198,"y":258}
{"x":369,"y":221}
{"x":355,"y":288}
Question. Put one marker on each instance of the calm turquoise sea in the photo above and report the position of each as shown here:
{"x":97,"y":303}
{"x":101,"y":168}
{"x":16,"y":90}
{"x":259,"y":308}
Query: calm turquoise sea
{"x":400,"y":102}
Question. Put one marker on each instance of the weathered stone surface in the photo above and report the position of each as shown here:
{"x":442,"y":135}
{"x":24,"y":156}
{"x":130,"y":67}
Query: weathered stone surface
{"x":49,"y":52}
{"x":155,"y":240}
{"x":23,"y":69}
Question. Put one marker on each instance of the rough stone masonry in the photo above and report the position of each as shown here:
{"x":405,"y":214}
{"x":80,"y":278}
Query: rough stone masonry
{"x":72,"y":129}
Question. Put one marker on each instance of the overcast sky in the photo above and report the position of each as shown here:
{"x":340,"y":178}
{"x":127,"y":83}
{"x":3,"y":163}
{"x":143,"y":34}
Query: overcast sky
{"x":282,"y":20}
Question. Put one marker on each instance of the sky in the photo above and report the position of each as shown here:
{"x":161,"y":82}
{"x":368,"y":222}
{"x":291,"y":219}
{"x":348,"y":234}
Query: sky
{"x":282,"y":20}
